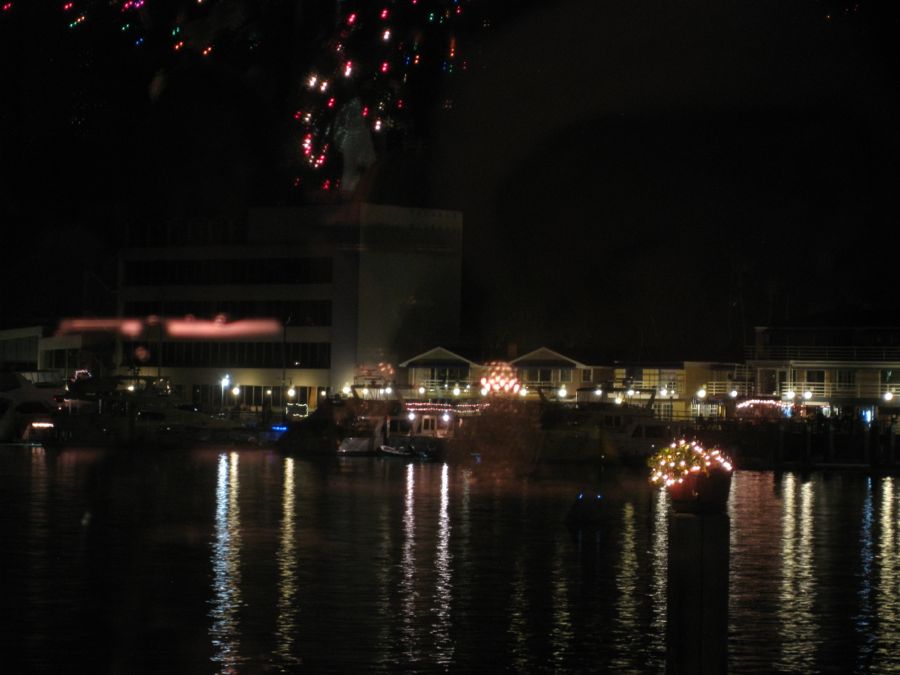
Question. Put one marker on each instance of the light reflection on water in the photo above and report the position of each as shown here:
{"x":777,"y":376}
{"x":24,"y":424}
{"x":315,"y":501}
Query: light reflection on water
{"x":864,"y":617}
{"x":799,"y":634}
{"x":288,"y":602}
{"x":410,"y":620}
{"x":443,"y":590}
{"x":658,"y":577}
{"x":226,"y":564}
{"x":373,"y":565}
{"x":627,"y":601}
{"x":888,"y":612}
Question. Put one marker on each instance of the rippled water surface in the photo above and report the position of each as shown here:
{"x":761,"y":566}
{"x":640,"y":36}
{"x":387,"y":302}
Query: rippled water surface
{"x":248,"y":561}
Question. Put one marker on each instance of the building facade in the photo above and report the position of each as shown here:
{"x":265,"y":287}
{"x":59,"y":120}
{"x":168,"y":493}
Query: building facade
{"x":351,"y":286}
{"x":835,"y":369}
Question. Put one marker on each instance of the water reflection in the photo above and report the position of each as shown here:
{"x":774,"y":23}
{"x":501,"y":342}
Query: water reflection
{"x":443,"y":589}
{"x":888,"y":589}
{"x":286,"y":621}
{"x":798,"y":625}
{"x":407,"y":568}
{"x":627,"y":601}
{"x":226,"y":567}
{"x":658,"y":571}
{"x":518,"y":623}
{"x":863,"y":620}
{"x":561,"y":633}
{"x":389,"y":567}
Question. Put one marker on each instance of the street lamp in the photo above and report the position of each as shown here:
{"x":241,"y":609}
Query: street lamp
{"x":225,"y":381}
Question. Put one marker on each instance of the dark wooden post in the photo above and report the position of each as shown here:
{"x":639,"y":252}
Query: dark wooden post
{"x":697,"y":608}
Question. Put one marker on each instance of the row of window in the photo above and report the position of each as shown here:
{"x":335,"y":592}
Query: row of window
{"x":63,"y":359}
{"x":459,"y":374}
{"x":217,"y":272}
{"x":295,"y":312}
{"x":274,"y":396}
{"x":229,"y":354}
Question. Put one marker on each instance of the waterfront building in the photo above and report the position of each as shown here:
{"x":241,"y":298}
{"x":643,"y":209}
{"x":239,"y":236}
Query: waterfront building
{"x":832,"y":369}
{"x":41,"y":354}
{"x":351,"y":286}
{"x":441,"y":373}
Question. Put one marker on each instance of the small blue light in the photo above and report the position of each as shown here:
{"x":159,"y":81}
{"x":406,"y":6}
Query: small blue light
{"x":279,"y":428}
{"x":580,"y":495}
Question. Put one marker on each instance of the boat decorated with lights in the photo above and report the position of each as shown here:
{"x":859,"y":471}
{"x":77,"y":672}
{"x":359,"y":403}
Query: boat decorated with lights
{"x":697,"y":479}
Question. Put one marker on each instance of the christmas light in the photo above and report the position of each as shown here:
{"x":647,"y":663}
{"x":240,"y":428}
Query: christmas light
{"x":670,"y":464}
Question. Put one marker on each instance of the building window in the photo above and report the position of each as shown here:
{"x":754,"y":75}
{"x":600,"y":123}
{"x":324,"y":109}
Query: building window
{"x":846,"y":377}
{"x":450,"y":375}
{"x":815,"y":376}
{"x":586,"y":375}
{"x":539,"y":375}
{"x":565,"y":374}
{"x":218,"y":272}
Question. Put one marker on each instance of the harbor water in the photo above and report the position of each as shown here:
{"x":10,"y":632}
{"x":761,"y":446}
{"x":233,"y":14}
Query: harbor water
{"x":248,"y":561}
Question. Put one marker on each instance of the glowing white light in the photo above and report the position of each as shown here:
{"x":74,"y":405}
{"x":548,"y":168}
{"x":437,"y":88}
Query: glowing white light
{"x":618,"y":400}
{"x":236,"y":391}
{"x":365,"y":391}
{"x":663,"y":392}
{"x":888,"y":395}
{"x":484,"y":392}
{"x":292,"y":392}
{"x":791,"y":394}
{"x":421,"y":390}
{"x":446,"y":417}
{"x":523,"y":392}
{"x":131,"y":388}
{"x":701,"y":393}
{"x":807,"y":394}
{"x":630,"y":392}
{"x":598,"y":392}
{"x":456,"y":391}
{"x":563,"y":392}
{"x":323,"y":393}
{"x":733,"y":393}
{"x":411,"y":416}
{"x":346,"y":389}
{"x":388,"y":390}
{"x":312,"y":80}
{"x":225,"y":381}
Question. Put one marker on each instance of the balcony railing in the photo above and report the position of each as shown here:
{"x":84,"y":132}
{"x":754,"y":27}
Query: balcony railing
{"x":820,"y":353}
{"x":445,"y":388}
{"x":834,"y":391}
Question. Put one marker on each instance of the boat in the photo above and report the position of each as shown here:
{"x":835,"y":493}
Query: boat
{"x":408,"y":436}
{"x":135,"y":411}
{"x":28,"y":411}
{"x":616,"y":432}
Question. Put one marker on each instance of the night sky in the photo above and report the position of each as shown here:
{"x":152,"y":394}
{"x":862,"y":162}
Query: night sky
{"x":638,"y":180}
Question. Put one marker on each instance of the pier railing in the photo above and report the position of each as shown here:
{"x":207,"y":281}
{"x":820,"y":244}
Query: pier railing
{"x":822,"y":353}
